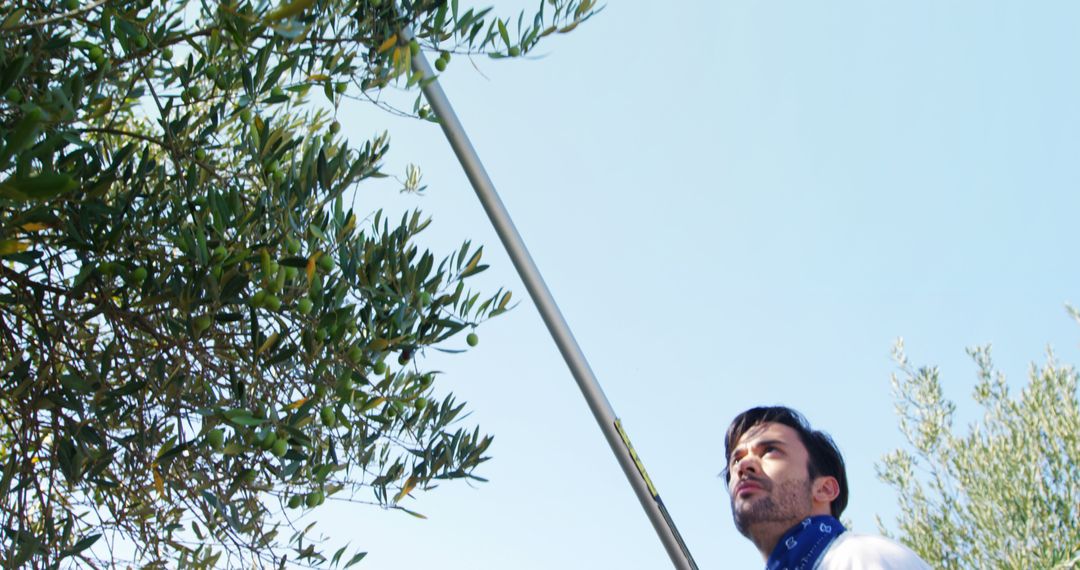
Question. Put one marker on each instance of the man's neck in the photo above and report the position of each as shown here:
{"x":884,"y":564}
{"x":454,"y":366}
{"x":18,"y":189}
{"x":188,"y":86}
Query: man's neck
{"x":765,"y":535}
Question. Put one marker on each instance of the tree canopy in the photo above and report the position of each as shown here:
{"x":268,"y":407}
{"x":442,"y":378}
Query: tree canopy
{"x":200,"y":340}
{"x":1007,"y":493}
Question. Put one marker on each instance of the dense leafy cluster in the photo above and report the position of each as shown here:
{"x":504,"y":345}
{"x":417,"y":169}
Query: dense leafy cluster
{"x":199,"y":338}
{"x":1007,"y":494}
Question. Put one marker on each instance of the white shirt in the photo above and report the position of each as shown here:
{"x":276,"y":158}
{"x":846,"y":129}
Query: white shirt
{"x":853,"y":551}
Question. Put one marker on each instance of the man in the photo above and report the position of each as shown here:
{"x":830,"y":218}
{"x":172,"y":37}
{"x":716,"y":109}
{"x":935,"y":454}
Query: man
{"x":788,"y":487}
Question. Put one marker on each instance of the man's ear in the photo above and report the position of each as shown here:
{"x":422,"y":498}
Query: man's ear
{"x":826,"y":489}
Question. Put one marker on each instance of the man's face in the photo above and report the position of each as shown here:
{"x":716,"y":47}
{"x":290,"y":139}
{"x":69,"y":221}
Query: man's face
{"x":769,"y":480}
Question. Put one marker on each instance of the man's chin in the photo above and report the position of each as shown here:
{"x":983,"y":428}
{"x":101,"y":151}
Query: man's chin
{"x":744,"y":514}
{"x":744,"y":521}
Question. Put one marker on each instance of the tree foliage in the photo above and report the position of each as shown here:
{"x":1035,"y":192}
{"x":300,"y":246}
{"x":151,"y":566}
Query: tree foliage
{"x":200,"y":340}
{"x":1007,"y":493}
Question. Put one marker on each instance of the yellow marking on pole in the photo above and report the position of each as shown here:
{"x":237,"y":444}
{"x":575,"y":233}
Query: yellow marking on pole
{"x":637,"y":460}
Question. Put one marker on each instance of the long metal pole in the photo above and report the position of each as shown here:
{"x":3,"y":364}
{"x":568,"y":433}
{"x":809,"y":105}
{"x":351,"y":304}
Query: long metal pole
{"x":549,"y":311}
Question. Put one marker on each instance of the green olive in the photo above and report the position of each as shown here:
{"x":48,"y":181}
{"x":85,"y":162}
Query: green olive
{"x":279,"y":448}
{"x":326,"y":414}
{"x":138,"y":275}
{"x":202,"y":322}
{"x":216,"y":438}
{"x":325,"y":262}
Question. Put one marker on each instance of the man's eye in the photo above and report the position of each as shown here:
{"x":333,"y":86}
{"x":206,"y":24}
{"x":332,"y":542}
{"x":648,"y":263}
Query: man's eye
{"x":771,"y":448}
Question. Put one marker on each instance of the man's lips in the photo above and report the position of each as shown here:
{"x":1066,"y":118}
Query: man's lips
{"x":748,"y":486}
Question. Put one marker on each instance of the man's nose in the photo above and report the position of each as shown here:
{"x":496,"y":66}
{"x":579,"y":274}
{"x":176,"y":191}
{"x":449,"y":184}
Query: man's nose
{"x":748,"y":464}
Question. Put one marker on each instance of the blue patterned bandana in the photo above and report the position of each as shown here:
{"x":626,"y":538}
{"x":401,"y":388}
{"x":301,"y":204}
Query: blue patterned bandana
{"x":800,"y":547}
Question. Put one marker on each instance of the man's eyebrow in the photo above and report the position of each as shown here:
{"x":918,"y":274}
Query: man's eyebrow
{"x":773,"y":442}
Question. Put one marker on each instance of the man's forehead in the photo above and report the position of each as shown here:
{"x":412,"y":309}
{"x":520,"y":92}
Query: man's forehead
{"x":768,"y":431}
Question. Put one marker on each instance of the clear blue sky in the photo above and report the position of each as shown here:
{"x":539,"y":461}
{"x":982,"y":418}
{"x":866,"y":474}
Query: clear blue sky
{"x":736,"y":203}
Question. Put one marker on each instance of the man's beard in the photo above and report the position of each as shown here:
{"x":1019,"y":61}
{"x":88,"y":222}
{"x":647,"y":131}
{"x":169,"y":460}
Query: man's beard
{"x":789,"y":501}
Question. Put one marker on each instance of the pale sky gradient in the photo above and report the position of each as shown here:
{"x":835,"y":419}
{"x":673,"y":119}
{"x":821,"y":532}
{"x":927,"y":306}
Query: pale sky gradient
{"x":736,"y":203}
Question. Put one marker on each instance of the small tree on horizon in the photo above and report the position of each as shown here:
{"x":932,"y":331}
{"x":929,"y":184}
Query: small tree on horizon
{"x":1004,"y":495}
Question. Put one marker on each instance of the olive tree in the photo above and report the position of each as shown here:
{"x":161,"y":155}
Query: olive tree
{"x":1005,"y":494}
{"x":200,"y":339}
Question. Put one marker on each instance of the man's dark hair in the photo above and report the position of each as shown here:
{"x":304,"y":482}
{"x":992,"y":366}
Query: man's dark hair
{"x":825,"y":458}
